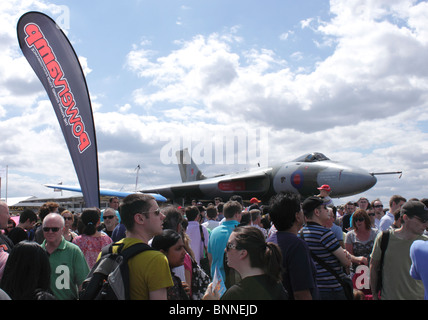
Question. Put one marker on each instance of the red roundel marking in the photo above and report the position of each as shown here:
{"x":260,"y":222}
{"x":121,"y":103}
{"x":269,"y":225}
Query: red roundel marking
{"x":297,"y":179}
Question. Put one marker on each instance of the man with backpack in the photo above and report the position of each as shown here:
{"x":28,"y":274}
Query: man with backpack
{"x":397,"y":283}
{"x":149,"y":273}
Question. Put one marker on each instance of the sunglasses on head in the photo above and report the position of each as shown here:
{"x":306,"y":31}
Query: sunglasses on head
{"x":53,"y":229}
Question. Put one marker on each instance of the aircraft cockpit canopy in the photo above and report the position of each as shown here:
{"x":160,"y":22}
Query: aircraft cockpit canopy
{"x":312,"y":157}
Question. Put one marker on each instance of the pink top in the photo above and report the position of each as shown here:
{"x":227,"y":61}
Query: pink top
{"x":3,"y":258}
{"x":91,"y":246}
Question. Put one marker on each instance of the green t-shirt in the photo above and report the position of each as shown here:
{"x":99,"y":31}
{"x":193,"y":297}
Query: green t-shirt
{"x":397,"y":284}
{"x":68,"y":270}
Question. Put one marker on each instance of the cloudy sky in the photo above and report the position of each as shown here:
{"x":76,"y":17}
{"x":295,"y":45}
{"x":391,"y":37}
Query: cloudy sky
{"x":345,"y":78}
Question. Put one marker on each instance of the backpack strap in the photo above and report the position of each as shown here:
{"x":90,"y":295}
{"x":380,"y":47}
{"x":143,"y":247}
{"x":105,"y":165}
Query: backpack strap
{"x":203,"y":240}
{"x":127,"y":254}
{"x":133,"y":250}
{"x":108,"y":249}
{"x":327,"y":267}
{"x":383,"y":245}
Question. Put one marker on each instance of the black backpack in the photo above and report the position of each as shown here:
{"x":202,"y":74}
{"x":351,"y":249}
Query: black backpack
{"x":109,"y":277}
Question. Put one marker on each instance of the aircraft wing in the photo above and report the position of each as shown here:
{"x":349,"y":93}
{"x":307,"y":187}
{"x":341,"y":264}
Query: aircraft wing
{"x":249,"y":184}
{"x":103,"y":192}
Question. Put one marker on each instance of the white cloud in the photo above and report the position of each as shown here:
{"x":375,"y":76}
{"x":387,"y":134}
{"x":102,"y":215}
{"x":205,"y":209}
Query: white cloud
{"x":361,"y":104}
{"x":30,"y":139}
{"x":306,"y":23}
{"x":125,"y":108}
{"x":375,"y":78}
{"x":284,"y":36}
{"x":84,"y":64}
{"x":367,"y":73}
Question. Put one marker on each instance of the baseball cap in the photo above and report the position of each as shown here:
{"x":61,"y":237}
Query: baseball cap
{"x":254,"y":200}
{"x":311,"y":203}
{"x":325,"y":187}
{"x":415,"y":208}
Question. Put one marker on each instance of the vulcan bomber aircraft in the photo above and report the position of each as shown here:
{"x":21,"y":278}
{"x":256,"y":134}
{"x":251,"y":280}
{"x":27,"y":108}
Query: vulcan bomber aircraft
{"x":302,"y":175}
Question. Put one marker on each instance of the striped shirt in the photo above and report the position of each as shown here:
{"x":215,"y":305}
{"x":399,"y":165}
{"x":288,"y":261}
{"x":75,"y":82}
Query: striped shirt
{"x":322,"y":242}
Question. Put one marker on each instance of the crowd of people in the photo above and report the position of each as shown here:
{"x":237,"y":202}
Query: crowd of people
{"x":286,"y":248}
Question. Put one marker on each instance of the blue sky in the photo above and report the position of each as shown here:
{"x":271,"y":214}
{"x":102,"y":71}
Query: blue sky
{"x":346,"y":78}
{"x":111,"y":30}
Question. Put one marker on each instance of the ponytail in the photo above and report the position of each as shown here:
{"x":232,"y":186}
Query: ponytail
{"x":273,"y":258}
{"x":266,"y":256}
{"x":89,"y":220}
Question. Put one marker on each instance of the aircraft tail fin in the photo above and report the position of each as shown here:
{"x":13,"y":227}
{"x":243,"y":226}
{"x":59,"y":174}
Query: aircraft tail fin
{"x":189,"y":171}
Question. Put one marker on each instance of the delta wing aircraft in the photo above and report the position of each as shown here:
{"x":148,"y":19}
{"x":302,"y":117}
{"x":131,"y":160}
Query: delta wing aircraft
{"x":302,"y":175}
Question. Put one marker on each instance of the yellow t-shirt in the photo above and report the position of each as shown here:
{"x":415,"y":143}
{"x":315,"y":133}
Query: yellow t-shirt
{"x":148,"y":271}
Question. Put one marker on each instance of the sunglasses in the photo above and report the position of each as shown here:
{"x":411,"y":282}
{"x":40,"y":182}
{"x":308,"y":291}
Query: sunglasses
{"x":359,"y":219}
{"x":230,"y":245}
{"x":53,"y":229}
{"x":421,"y":220}
{"x":68,"y":218}
{"x":156,"y":212}
{"x":108,"y":217}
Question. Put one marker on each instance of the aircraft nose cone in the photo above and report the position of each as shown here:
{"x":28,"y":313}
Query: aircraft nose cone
{"x":350,"y":181}
{"x":357,"y":180}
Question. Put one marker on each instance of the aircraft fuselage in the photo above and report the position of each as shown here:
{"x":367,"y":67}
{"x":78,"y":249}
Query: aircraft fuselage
{"x":301,"y":176}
